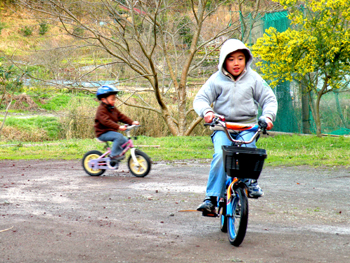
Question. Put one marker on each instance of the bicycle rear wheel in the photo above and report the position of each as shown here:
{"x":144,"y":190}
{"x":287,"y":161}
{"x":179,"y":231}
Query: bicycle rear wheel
{"x":237,"y":223}
{"x":85,"y":163}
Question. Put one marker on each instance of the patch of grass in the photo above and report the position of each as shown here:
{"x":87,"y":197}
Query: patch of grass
{"x":50,"y":125}
{"x":52,"y":100}
{"x":191,"y":148}
{"x":311,"y":210}
{"x":56,"y":103}
{"x":177,"y":148}
{"x":282,"y":150}
{"x":2,"y":114}
{"x":306,"y":150}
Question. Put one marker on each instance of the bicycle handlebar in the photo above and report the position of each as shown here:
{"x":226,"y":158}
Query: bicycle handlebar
{"x":129,"y":128}
{"x":219,"y":121}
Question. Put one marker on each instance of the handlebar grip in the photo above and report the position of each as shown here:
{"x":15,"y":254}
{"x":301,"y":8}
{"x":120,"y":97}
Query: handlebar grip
{"x":130,"y":127}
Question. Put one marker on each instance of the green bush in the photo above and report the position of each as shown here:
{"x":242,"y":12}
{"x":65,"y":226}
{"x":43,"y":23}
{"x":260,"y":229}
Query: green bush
{"x":78,"y":31}
{"x":27,"y":31}
{"x":78,"y":119}
{"x":2,"y":26}
{"x":43,"y":28}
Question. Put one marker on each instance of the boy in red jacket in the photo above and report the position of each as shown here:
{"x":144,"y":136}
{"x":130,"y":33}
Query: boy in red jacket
{"x":107,"y":118}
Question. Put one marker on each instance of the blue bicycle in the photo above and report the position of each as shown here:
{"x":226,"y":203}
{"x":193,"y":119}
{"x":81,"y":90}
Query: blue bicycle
{"x":240,"y":163}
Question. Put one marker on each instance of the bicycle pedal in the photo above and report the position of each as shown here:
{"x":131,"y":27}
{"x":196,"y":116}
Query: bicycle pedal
{"x":209,"y":214}
{"x":253,"y":197}
{"x":117,"y":159}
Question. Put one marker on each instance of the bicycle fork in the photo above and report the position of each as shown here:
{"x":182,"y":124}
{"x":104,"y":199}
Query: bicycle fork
{"x":129,"y":145}
{"x":230,"y":194}
{"x":133,"y":156}
{"x":224,"y":203}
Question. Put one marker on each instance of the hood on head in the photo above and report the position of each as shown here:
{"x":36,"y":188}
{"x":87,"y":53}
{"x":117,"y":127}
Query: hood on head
{"x":230,"y":46}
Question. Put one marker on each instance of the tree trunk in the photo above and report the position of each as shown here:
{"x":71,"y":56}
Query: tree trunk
{"x":318,"y":100}
{"x":170,"y":122}
{"x":182,"y":109}
{"x":305,"y":108}
{"x":305,"y":113}
{"x":317,"y":115}
{"x":182,"y":89}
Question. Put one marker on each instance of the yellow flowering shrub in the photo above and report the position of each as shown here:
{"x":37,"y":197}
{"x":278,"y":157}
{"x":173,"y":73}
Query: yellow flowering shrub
{"x":319,"y":42}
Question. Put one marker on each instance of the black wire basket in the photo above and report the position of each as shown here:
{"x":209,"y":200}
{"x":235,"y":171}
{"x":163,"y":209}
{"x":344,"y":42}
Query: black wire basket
{"x":243,"y":162}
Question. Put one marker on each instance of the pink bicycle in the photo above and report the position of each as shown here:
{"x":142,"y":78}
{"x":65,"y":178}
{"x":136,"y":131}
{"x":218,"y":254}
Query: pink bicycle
{"x":95,"y":163}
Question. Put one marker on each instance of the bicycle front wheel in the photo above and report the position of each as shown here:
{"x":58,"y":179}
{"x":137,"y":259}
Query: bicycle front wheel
{"x":237,"y":222}
{"x":142,"y":166}
{"x":223,"y":218}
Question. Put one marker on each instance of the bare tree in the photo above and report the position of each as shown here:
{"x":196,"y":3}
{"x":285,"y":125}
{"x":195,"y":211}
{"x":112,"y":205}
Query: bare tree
{"x":10,"y":81}
{"x":157,"y":39}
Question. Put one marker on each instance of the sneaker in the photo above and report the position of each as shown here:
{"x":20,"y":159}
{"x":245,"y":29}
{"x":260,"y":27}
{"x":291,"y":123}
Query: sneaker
{"x":117,"y":157}
{"x":254,"y":190}
{"x":207,"y":207}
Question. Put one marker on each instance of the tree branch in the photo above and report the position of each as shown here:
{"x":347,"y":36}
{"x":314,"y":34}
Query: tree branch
{"x":193,"y":125}
{"x":6,"y":112}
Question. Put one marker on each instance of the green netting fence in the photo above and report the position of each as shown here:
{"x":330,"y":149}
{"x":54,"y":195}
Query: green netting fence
{"x":287,"y":110}
{"x":334,"y":106}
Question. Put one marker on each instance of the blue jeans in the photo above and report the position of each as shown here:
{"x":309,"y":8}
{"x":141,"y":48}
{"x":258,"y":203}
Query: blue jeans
{"x":118,"y":140}
{"x":217,"y":176}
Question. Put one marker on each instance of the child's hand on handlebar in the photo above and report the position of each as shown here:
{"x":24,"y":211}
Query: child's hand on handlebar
{"x":209,"y":116}
{"x":265,"y":122}
{"x":269,"y":123}
{"x":135,"y":123}
{"x":122,"y":128}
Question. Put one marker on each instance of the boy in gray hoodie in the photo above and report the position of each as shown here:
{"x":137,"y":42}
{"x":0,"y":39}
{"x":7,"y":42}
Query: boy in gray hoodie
{"x":236,"y":92}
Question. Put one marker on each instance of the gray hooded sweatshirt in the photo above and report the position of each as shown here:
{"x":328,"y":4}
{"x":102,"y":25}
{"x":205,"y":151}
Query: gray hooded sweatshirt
{"x":237,"y":100}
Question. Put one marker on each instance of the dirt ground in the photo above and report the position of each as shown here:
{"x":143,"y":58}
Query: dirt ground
{"x":51,"y":211}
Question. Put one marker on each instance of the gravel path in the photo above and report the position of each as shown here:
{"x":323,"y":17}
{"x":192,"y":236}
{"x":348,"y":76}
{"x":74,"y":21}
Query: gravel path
{"x":51,"y":211}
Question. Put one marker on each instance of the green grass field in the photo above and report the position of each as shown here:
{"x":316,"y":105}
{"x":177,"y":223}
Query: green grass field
{"x":42,"y":138}
{"x":282,"y":150}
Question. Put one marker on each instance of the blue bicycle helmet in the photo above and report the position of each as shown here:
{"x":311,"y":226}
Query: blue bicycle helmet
{"x":106,"y":90}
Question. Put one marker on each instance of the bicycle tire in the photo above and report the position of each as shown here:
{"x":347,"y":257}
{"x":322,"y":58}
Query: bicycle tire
{"x":143,"y":165}
{"x":238,"y":222}
{"x":85,"y":162}
{"x":223,"y":218}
